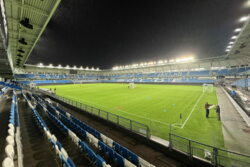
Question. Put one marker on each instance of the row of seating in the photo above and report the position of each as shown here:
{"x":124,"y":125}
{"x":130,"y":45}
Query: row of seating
{"x":103,"y":141}
{"x":242,"y":83}
{"x":95,"y":158}
{"x":201,"y":73}
{"x":54,"y":76}
{"x":115,"y":156}
{"x":169,"y":80}
{"x":3,"y":91}
{"x":10,"y":85}
{"x":60,"y":151}
{"x":13,"y":138}
{"x":207,"y":73}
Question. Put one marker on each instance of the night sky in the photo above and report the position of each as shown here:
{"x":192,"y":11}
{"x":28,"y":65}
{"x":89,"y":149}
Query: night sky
{"x":105,"y":33}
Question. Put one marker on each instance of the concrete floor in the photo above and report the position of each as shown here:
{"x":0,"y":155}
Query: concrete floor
{"x":235,"y":130}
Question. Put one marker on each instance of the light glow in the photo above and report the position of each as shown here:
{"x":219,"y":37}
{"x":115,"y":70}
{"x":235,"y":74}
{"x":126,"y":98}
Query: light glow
{"x":237,"y":30}
{"x":50,"y":66}
{"x":234,"y":37}
{"x":243,"y":19}
{"x":247,"y":4}
{"x":231,"y":43}
{"x":40,"y":65}
{"x":186,"y":59}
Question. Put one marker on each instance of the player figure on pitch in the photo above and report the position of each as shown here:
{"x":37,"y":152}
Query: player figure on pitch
{"x":207,"y":108}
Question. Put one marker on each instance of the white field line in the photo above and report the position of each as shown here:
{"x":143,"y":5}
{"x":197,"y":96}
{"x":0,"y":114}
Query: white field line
{"x":164,"y":123}
{"x":192,"y":110}
{"x":151,"y":120}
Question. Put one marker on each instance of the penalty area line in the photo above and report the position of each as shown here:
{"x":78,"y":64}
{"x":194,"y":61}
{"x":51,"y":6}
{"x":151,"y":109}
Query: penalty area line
{"x":192,"y":110}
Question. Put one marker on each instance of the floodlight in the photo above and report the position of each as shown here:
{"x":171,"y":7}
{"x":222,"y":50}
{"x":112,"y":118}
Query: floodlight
{"x":67,"y":67}
{"x":160,"y":62}
{"x":40,"y":64}
{"x":74,"y":67}
{"x":234,"y":37}
{"x":150,"y":63}
{"x":26,"y":23}
{"x":237,"y":30}
{"x":243,"y":19}
{"x":22,"y":41}
{"x":243,"y":45}
{"x":231,"y":43}
{"x":184,"y":59}
{"x":229,"y":47}
{"x":50,"y":65}
{"x":227,"y":50}
{"x":21,"y":51}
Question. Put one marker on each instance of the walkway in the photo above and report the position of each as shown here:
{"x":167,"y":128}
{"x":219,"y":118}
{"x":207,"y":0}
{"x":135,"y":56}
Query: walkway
{"x":235,"y":130}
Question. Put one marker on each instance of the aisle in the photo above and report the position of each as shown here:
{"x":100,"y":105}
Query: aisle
{"x":235,"y":130}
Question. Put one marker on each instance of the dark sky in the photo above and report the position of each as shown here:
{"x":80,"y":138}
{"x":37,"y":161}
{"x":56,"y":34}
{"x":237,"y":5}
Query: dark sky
{"x":104,"y":33}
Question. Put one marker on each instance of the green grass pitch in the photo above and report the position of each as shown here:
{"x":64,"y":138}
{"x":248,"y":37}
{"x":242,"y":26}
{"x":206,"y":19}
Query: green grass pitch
{"x":158,"y":106}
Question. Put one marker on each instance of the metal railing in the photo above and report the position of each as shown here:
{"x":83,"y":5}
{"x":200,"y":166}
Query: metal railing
{"x":214,"y":155}
{"x":129,"y":124}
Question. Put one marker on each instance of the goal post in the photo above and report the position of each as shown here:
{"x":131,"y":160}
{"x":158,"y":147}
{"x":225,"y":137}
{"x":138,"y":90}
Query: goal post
{"x":32,"y":85}
{"x":208,"y":88}
{"x":131,"y":85}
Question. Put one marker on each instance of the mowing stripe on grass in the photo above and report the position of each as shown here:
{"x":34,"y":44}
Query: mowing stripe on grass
{"x":192,"y":110}
{"x":152,"y":120}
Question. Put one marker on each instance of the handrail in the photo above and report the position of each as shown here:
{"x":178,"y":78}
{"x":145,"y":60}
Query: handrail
{"x":132,"y":123}
{"x":61,"y":152}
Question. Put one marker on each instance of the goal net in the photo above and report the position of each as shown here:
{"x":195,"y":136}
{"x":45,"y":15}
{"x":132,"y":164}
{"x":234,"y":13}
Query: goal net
{"x":32,"y":85}
{"x":208,"y":88}
{"x":131,"y":85}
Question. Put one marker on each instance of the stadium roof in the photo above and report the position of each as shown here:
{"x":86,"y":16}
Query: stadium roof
{"x":5,"y":69}
{"x":239,"y":46}
{"x":26,"y":21}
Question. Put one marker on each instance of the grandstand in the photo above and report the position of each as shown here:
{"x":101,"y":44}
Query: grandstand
{"x":69,"y":116}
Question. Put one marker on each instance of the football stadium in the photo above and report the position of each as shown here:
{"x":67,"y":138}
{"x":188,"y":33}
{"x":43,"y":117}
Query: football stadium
{"x":129,"y":87}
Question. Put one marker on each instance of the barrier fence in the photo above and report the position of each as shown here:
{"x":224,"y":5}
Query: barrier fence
{"x":193,"y":149}
{"x":129,"y":124}
{"x":216,"y":156}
